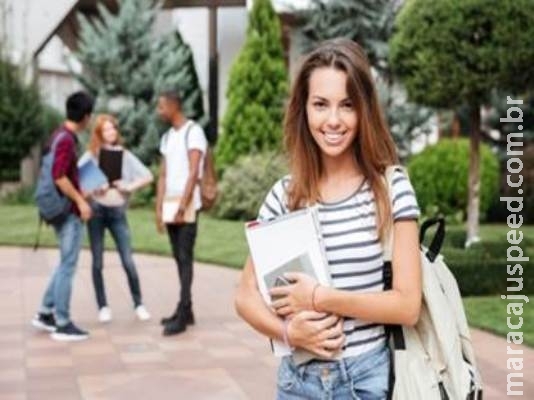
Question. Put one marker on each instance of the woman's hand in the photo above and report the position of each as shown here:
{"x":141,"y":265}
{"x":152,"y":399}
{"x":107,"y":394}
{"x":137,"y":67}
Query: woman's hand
{"x":122,"y":186}
{"x":318,"y":333}
{"x":294,"y":297}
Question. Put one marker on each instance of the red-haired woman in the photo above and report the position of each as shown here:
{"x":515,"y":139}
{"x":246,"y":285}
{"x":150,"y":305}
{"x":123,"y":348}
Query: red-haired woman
{"x":339,"y":147}
{"x":109,"y":212}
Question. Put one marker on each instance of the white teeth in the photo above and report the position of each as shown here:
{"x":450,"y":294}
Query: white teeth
{"x":333,"y":137}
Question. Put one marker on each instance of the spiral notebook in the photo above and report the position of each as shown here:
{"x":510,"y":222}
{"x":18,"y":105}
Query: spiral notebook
{"x":290,"y":243}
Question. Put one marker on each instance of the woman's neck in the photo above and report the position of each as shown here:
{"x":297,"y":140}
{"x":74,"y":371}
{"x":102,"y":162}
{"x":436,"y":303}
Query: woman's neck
{"x":110,"y":145}
{"x":340,"y":168}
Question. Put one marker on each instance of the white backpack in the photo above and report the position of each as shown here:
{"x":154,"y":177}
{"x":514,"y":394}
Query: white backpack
{"x":434,"y":360}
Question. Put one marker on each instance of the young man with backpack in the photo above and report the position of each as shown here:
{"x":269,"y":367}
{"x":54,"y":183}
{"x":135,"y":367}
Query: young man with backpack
{"x":59,"y":184}
{"x":183,"y":148}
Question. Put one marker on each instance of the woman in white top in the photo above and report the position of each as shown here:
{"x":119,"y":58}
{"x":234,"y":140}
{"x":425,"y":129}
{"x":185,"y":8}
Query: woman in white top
{"x":339,"y":147}
{"x":109,"y":212}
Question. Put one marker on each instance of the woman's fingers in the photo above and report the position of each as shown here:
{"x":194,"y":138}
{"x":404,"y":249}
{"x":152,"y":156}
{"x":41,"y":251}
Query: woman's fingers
{"x":311,"y":315}
{"x":322,"y":352}
{"x":284,"y":302}
{"x":328,"y":322}
{"x":284,"y":311}
{"x":334,"y":344}
{"x":332,"y":332}
{"x":281,"y":291}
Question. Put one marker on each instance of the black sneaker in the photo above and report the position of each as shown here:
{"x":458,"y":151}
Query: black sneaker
{"x":69,"y":333}
{"x":44,"y":322}
{"x":189,"y":316}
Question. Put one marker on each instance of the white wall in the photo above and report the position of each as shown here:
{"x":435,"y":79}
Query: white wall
{"x":27,"y":23}
{"x":193,"y":24}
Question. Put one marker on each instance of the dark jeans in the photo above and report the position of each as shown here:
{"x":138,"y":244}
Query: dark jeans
{"x":182,"y":238}
{"x":114,"y":219}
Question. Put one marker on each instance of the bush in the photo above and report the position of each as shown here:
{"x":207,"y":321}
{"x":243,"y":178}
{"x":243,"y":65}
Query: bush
{"x":246,"y":183}
{"x":439,"y":176}
{"x":21,"y":196}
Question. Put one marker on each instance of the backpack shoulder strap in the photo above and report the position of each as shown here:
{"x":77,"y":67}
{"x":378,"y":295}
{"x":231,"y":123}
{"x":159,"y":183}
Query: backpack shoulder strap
{"x":191,"y":124}
{"x":388,"y":240}
{"x":56,"y":141}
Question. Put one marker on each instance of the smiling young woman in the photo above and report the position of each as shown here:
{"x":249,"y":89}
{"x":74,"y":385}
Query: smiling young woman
{"x":339,"y":148}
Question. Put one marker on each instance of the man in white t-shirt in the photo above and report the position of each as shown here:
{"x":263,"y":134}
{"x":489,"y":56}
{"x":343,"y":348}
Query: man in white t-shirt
{"x":182,"y":148}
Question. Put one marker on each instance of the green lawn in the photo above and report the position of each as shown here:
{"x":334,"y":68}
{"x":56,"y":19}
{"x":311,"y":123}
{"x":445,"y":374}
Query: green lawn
{"x":223,"y":242}
{"x":219,"y":242}
{"x":489,"y":313}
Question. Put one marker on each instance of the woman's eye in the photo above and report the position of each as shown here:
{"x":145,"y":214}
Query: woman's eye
{"x":347,"y":106}
{"x":319,"y":104}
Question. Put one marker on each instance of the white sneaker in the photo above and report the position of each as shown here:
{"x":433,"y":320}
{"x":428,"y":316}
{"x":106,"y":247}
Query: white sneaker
{"x":142,"y":313}
{"x":104,"y":315}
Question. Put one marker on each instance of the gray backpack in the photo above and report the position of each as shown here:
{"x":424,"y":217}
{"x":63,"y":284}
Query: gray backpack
{"x":53,"y":206}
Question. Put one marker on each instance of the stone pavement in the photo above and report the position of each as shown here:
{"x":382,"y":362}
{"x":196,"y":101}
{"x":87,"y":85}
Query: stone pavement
{"x":218,"y":358}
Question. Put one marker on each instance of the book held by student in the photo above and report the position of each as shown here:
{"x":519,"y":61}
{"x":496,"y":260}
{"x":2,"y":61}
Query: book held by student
{"x":290,"y":243}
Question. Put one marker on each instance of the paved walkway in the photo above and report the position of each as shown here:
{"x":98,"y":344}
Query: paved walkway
{"x":219,"y":358}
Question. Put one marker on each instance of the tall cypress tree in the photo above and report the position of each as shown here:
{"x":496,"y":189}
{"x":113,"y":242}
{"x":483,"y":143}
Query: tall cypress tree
{"x":256,"y":91}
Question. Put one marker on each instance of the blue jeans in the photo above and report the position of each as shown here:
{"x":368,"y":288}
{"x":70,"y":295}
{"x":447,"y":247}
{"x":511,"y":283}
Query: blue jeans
{"x":363,"y":377}
{"x":58,"y":294}
{"x":114,"y":219}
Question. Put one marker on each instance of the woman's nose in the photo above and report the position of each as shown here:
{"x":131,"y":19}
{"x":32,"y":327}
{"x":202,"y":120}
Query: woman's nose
{"x":333,"y":120}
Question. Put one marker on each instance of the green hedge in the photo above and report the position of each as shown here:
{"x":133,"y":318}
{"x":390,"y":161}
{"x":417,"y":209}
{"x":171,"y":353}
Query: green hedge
{"x":482,"y":268}
{"x":439,"y":176}
{"x":488,"y":277}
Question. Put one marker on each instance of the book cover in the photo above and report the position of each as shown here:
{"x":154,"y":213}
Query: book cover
{"x":91,"y":177}
{"x":290,"y":243}
{"x":110,"y":162}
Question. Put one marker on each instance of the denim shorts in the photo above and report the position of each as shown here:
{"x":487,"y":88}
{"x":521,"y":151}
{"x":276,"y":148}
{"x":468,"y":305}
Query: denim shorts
{"x":362,"y":377}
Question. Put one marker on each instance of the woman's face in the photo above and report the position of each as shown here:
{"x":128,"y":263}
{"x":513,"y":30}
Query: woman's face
{"x":109,"y":133}
{"x":332,"y":118}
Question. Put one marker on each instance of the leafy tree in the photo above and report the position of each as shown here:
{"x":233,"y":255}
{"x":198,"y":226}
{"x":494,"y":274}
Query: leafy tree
{"x":367,"y":22}
{"x":454,"y":52}
{"x":22,"y":119}
{"x":126,"y":67}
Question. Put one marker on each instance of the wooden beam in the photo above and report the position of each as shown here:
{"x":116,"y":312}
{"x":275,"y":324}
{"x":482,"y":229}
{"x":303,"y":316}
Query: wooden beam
{"x":213,"y":84}
{"x":204,"y":3}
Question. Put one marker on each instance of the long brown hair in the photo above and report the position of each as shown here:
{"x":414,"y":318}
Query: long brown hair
{"x":97,"y":140}
{"x":374,"y":148}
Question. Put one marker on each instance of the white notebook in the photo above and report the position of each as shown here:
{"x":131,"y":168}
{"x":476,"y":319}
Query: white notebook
{"x":290,"y":243}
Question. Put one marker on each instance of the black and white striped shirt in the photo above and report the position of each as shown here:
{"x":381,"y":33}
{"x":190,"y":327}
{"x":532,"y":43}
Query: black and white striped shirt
{"x":353,"y":249}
